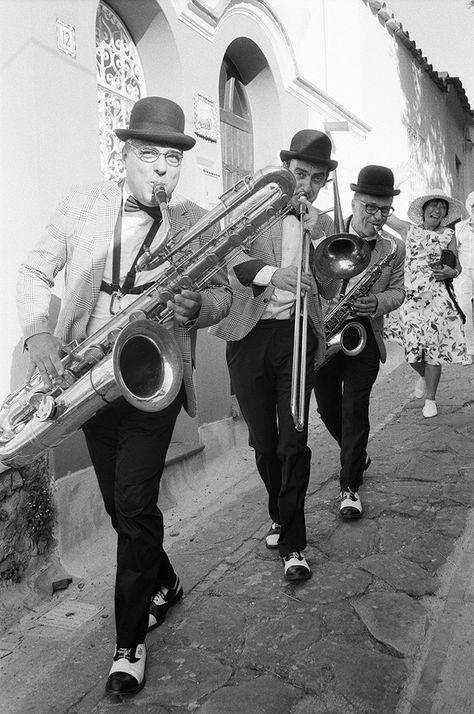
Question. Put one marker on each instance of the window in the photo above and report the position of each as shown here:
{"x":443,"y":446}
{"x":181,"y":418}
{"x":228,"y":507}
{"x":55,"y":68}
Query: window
{"x":119,"y":84}
{"x":236,"y":126}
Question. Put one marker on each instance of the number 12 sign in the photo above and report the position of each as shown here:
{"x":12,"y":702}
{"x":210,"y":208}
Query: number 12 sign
{"x":65,"y":38}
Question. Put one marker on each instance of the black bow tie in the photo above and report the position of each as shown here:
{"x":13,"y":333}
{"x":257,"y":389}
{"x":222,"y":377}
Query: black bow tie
{"x":132,"y":205}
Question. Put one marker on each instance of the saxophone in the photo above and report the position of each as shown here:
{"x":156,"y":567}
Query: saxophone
{"x":135,"y":355}
{"x":351,"y":337}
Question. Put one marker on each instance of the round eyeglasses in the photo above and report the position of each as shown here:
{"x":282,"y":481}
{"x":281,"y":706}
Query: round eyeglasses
{"x":150,"y":154}
{"x":372,"y":208}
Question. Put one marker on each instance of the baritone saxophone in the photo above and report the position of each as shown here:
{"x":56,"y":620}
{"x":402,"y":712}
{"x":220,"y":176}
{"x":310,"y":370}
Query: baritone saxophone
{"x":135,"y":355}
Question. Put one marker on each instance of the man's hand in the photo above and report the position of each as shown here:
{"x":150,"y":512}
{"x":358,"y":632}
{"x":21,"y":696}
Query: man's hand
{"x":186,"y":306}
{"x":44,"y":350}
{"x":287,"y":278}
{"x":366,"y":306}
{"x":311,"y":215}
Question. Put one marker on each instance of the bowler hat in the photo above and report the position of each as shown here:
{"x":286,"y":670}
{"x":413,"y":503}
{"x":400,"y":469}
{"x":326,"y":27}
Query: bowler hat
{"x":416,"y":208}
{"x":312,"y":146}
{"x":376,"y":181}
{"x":157,"y":119}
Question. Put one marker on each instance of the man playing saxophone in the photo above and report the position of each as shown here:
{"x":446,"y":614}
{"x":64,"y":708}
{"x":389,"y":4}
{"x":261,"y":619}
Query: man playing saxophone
{"x":343,"y":384}
{"x":97,"y":235}
{"x":259,"y":332}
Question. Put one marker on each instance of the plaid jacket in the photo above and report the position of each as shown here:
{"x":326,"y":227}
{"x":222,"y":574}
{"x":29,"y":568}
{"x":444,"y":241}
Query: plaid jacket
{"x":249,"y":302}
{"x":77,"y":239}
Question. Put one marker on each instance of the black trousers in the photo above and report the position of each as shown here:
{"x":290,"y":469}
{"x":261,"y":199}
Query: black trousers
{"x":260,"y":367}
{"x":342,"y":388}
{"x":128,"y":449}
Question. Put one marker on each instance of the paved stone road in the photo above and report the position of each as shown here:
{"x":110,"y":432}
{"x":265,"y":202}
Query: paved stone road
{"x":352,"y":640}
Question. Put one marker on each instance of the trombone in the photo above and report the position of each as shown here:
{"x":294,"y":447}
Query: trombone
{"x":300,"y":334}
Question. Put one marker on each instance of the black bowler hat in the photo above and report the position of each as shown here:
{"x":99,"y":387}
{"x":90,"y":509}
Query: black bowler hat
{"x":376,"y":181}
{"x":157,"y":119}
{"x":312,"y":146}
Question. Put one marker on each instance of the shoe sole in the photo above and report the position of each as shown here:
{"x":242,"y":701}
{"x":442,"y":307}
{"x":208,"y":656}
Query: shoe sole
{"x":271,"y":547}
{"x":178,"y":597}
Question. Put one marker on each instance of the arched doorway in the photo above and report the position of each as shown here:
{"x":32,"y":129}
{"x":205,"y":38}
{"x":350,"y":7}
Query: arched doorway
{"x":235,"y":125}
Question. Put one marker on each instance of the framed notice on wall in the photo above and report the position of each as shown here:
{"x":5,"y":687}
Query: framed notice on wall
{"x":205,"y":117}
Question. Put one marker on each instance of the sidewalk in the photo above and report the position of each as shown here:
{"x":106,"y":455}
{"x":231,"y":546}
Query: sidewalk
{"x":377,"y":628}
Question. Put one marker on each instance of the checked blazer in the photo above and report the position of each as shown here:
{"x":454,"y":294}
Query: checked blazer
{"x":249,"y":302}
{"x":77,"y":239}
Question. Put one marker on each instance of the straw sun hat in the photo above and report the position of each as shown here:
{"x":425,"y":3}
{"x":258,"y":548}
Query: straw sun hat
{"x":455,"y":207}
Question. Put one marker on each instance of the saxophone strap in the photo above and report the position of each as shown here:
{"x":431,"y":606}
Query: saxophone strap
{"x":127,"y":287}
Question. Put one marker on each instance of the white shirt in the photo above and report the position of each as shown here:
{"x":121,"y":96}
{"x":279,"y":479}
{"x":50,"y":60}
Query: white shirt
{"x":281,"y":301}
{"x":135,"y":226}
{"x":465,"y":243}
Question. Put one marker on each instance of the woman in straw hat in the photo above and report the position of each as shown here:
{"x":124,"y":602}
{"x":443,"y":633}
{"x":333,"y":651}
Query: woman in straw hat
{"x":432,"y":330}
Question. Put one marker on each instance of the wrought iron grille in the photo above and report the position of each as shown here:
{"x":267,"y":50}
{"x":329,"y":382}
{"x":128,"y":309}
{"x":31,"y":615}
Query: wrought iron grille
{"x":119,"y":84}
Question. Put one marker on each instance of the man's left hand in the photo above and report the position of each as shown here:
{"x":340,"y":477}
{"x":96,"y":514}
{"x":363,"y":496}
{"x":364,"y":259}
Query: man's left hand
{"x":366,"y":306}
{"x":186,"y":306}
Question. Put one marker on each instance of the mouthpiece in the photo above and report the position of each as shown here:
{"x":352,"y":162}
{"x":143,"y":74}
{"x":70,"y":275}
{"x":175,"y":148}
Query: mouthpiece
{"x":159,"y":192}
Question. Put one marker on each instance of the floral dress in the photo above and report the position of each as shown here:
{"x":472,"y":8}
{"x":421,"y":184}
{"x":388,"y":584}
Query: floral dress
{"x":432,"y":329}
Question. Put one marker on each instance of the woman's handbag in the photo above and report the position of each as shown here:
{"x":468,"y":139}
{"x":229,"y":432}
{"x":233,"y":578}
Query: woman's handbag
{"x":448,"y":258}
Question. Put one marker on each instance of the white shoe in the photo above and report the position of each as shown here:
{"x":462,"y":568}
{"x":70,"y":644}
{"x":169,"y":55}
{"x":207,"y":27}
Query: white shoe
{"x":467,"y":360}
{"x":430,"y":410}
{"x":127,"y":674}
{"x":296,"y":567}
{"x":273,"y":536}
{"x":351,"y":506}
{"x":420,"y":388}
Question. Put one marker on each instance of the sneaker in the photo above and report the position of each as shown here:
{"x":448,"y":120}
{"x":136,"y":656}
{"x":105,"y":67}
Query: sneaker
{"x":430,"y":409}
{"x":127,"y":674}
{"x":161,"y":602}
{"x":296,"y":567}
{"x":272,"y":537}
{"x":350,"y":507}
{"x":420,"y":388}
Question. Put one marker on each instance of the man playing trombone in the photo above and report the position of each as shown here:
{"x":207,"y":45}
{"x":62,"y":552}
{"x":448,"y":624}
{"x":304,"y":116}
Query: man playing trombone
{"x":343,"y":384}
{"x":260,"y":333}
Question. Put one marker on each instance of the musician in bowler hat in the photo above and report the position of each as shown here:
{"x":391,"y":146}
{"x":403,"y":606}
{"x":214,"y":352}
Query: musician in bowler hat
{"x":344,"y":383}
{"x":259,"y":333}
{"x":96,"y":235}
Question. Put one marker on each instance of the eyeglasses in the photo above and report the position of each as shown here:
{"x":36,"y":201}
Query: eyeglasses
{"x":372,"y":208}
{"x":150,"y":154}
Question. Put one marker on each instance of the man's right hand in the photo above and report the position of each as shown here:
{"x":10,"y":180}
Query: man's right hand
{"x":44,"y":350}
{"x":287,"y":278}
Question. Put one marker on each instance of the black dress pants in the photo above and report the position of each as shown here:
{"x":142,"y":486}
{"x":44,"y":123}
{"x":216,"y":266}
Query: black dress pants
{"x":260,"y":367}
{"x":128,"y":450}
{"x":342,"y":388}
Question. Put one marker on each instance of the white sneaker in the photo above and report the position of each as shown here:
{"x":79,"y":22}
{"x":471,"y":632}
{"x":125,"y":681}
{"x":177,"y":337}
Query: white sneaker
{"x":430,"y":410}
{"x":127,"y":674}
{"x":420,"y":388}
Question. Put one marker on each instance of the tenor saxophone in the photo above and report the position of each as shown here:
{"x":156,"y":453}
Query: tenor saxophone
{"x":351,"y":337}
{"x":135,"y":355}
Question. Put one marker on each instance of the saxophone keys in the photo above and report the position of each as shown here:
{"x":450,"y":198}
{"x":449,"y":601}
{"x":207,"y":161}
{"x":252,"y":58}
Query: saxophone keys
{"x":46,"y":408}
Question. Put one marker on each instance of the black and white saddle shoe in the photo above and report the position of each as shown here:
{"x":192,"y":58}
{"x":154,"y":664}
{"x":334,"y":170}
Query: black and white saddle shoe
{"x":296,"y":567}
{"x":273,"y":536}
{"x":350,"y":507}
{"x":127,"y":675}
{"x":161,"y":602}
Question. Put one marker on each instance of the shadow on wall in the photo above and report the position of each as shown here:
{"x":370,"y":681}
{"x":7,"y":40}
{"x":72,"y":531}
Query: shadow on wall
{"x":423,"y":116}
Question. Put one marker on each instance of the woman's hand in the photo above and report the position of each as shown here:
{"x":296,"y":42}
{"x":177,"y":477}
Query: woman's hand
{"x":443,"y":272}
